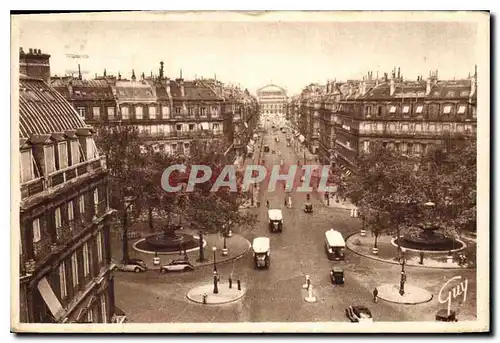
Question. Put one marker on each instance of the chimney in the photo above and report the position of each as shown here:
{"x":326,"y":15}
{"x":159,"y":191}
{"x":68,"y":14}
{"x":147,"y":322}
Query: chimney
{"x":161,"y":71}
{"x":104,"y":74}
{"x":79,"y":72}
{"x":143,"y":76}
{"x":428,"y":87}
{"x":34,"y":64}
{"x":181,"y":85}
{"x":363,"y":88}
{"x":473,"y":83}
{"x":133,"y":75}
{"x":399,"y":72}
{"x":393,"y":86}
{"x":119,"y":76}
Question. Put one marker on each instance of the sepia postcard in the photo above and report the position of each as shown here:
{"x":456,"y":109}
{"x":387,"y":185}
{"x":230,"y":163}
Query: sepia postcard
{"x":249,"y":172}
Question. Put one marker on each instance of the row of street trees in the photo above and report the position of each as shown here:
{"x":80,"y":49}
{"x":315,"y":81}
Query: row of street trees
{"x":396,"y":193}
{"x":136,"y":170}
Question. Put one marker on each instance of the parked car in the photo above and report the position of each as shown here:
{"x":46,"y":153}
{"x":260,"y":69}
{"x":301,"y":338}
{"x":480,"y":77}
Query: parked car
{"x":359,"y":314}
{"x":132,"y":265}
{"x":308,"y":207}
{"x":177,"y":266}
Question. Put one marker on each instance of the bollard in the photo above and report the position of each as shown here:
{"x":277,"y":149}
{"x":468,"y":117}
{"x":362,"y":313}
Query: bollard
{"x":205,"y":298}
{"x":308,"y":282}
{"x":230,"y":282}
{"x":239,"y":285}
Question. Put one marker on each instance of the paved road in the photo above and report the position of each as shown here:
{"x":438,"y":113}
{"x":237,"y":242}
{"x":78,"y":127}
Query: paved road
{"x":275,"y":295}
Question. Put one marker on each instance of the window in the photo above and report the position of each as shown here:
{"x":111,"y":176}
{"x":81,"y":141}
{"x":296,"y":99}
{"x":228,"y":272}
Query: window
{"x":177,"y":110}
{"x":461,"y":109}
{"x":125,"y":114}
{"x":419,"y":109}
{"x":474,"y":112}
{"x":446,"y":127}
{"x":26,"y":166}
{"x":379,"y":111}
{"x":203,"y":111}
{"x":366,"y":146}
{"x":460,"y":128}
{"x":406,"y":109}
{"x":74,"y":269}
{"x":81,"y":112}
{"x":432,"y":127}
{"x":86,"y":262}
{"x":418,"y":127}
{"x":152,"y":112}
{"x":138,"y":112}
{"x":191,"y":127}
{"x":104,"y":312}
{"x":111,"y":113}
{"x":368,"y":111}
{"x":380,"y":126}
{"x":71,"y":214}
{"x":165,"y":111}
{"x":404,"y":147}
{"x":36,"y":230}
{"x":191,"y":111}
{"x":392,"y":109}
{"x":348,"y":144}
{"x":404,"y":127}
{"x":81,"y":204}
{"x":99,"y":246}
{"x":447,"y":109}
{"x":75,"y":152}
{"x":178,"y":127}
{"x":216,"y":126}
{"x":50,"y":165}
{"x":62,"y":280}
{"x":96,"y":111}
{"x":96,"y":196}
{"x":57,"y":216}
{"x":392,"y":127}
{"x":62,"y":149}
{"x":90,"y":317}
{"x":186,"y":148}
{"x":215,"y":111}
{"x":91,"y":149}
{"x":417,"y":148}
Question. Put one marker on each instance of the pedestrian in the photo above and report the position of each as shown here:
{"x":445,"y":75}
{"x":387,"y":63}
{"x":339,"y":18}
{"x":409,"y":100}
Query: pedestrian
{"x":267,"y":203}
{"x":285,"y":201}
{"x":375,"y":295}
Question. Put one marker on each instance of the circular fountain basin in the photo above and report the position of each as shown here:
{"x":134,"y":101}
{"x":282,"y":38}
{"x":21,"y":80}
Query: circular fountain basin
{"x":168,"y":244}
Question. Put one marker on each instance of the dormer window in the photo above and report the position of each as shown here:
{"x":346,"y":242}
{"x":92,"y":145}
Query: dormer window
{"x":165,"y":111}
{"x":392,"y":109}
{"x":447,"y":109}
{"x":81,"y":112}
{"x":406,"y":109}
{"x":111,"y":113}
{"x":177,"y":110}
{"x":62,"y":150}
{"x":26,"y":166}
{"x":152,"y":112}
{"x":124,"y":111}
{"x":91,"y":149}
{"x":203,"y":111}
{"x":96,"y":111}
{"x":419,"y":109}
{"x":75,"y":152}
{"x":368,"y":111}
{"x":461,"y":109}
{"x":49,"y":157}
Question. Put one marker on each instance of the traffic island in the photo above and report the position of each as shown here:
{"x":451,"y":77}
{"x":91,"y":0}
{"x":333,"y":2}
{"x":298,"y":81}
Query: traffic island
{"x":204,"y":294}
{"x":413,"y":295}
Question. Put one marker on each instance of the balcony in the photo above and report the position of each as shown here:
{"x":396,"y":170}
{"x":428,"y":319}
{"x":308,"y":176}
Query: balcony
{"x":42,"y":249}
{"x":54,"y":180}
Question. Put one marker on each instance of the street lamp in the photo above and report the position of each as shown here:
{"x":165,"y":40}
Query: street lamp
{"x":214,"y":249}
{"x":403,"y":275}
{"x":216,"y":280}
{"x":128,"y":202}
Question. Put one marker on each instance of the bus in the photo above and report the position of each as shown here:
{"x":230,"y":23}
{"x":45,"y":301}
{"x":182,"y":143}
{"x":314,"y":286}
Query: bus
{"x":334,"y":245}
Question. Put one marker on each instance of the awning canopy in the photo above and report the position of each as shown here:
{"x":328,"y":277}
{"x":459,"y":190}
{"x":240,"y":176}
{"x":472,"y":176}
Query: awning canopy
{"x":50,"y":299}
{"x":302,"y":138}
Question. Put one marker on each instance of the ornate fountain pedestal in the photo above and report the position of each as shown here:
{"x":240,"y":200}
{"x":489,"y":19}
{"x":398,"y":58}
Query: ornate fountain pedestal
{"x":428,"y":239}
{"x":169,"y":241}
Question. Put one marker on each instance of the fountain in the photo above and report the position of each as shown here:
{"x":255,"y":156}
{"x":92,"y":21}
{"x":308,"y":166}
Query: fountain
{"x":428,"y":239}
{"x":169,"y":241}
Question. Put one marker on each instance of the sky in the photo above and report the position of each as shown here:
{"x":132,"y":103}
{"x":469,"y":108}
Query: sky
{"x":291,"y":54}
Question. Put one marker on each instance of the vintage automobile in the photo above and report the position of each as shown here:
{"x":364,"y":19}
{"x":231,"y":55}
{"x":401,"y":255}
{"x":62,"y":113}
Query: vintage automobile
{"x":132,"y":265}
{"x":177,"y":266}
{"x":443,"y":316}
{"x":359,"y":314}
{"x":308,"y":207}
{"x":261,"y":252}
{"x":266,"y":148}
{"x":337,"y":276}
{"x":275,"y":220}
{"x":334,"y":245}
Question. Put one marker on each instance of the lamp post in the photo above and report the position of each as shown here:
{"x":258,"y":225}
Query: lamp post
{"x":128,"y":201}
{"x":214,"y":249}
{"x":216,"y":280}
{"x":403,"y":275}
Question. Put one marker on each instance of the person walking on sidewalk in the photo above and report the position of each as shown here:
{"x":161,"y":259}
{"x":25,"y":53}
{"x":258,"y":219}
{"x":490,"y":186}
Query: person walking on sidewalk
{"x":267,"y":203}
{"x":375,"y":295}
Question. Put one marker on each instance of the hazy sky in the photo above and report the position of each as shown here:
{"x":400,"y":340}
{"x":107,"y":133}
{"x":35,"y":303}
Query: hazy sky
{"x":290,"y":54}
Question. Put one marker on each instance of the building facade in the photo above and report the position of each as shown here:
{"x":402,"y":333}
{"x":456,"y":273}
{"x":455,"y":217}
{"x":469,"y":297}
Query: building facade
{"x":65,"y":255}
{"x":410,"y":116}
{"x":272,"y":102}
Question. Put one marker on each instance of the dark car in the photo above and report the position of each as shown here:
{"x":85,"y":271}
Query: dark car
{"x":177,"y":266}
{"x":337,"y":276}
{"x":359,"y":314}
{"x":443,"y":316}
{"x":308,"y":207}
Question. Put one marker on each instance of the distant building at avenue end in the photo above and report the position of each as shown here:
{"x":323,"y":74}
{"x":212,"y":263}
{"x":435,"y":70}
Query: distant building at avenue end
{"x":272,"y":101}
{"x":65,"y":270}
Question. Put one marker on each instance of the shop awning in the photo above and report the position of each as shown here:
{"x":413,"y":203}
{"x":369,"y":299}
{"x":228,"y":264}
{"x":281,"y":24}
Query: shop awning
{"x":50,"y":299}
{"x":302,"y":138}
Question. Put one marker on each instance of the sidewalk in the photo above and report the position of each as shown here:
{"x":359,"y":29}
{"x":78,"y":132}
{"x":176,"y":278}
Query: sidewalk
{"x":387,"y":253}
{"x":254,"y":189}
{"x":237,"y":246}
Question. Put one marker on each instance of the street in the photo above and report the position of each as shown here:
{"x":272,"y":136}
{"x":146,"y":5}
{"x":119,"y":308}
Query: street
{"x":276,"y":294}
